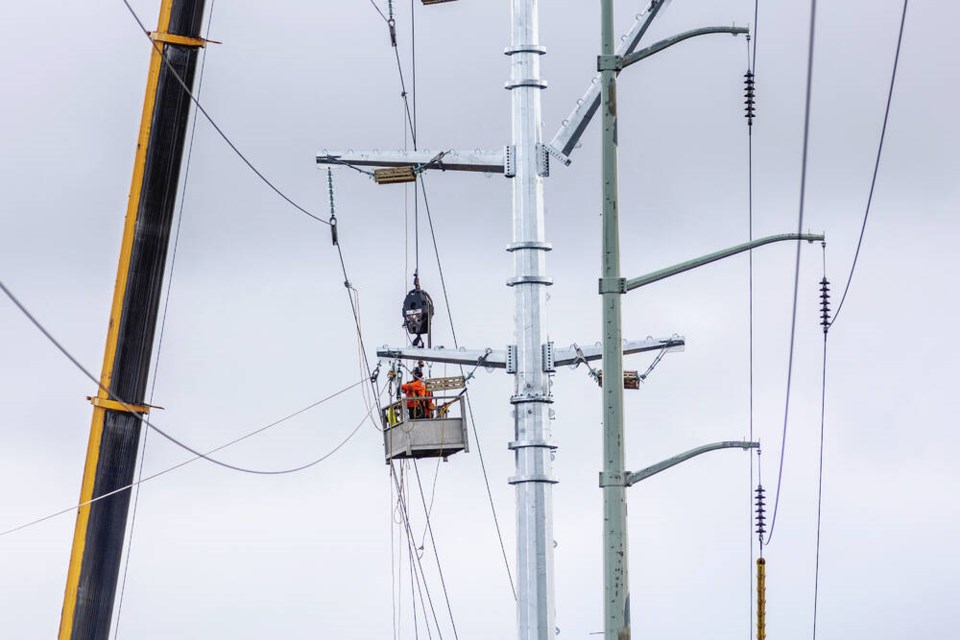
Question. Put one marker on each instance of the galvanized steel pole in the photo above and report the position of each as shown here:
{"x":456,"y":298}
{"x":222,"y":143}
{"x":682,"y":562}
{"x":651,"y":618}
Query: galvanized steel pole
{"x":532,"y":445}
{"x":616,"y":588}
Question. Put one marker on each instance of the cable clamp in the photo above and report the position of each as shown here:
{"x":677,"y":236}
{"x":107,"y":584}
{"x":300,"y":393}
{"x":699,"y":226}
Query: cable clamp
{"x":186,"y":41}
{"x":126,"y":407}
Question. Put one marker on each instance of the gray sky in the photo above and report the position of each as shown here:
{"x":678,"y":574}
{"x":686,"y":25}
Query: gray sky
{"x":258,"y":324}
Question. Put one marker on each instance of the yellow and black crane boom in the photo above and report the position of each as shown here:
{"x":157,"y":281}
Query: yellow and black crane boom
{"x":115,"y":431}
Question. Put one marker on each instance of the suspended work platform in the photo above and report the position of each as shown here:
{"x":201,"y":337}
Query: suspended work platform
{"x":433,"y":428}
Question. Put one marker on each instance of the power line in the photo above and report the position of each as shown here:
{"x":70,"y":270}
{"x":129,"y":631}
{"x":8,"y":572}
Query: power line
{"x":796,"y":272}
{"x":876,"y":165}
{"x":195,"y":458}
{"x":210,"y":119}
{"x":130,"y":409}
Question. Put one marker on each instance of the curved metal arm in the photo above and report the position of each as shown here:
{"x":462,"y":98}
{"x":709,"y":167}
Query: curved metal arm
{"x":637,"y":476}
{"x":634,"y":283}
{"x":672,"y":40}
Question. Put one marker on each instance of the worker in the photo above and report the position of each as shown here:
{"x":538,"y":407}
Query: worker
{"x":419,"y":404}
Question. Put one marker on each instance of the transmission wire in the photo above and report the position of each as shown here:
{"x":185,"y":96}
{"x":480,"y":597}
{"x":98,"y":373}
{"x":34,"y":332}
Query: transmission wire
{"x":194,"y":459}
{"x":876,"y":165}
{"x":212,"y":122}
{"x":796,"y":273}
{"x":130,"y":409}
{"x":823,"y":409}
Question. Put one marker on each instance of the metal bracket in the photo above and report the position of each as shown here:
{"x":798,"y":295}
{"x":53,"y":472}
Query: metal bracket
{"x":510,"y":160}
{"x":186,"y":41}
{"x":113,"y":405}
{"x":525,"y":444}
{"x":613,"y":285}
{"x":612,"y":479}
{"x":546,"y":356}
{"x":609,"y":63}
{"x":535,"y":83}
{"x":511,"y":358}
{"x":543,"y":161}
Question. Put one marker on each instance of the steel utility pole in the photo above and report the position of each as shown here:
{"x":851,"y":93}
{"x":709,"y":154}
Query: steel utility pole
{"x":115,"y":429}
{"x":616,"y":575}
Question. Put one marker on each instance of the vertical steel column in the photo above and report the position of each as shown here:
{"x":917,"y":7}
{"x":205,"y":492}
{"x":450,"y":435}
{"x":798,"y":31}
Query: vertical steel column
{"x":532,"y":445}
{"x":115,"y":432}
{"x":616,"y":591}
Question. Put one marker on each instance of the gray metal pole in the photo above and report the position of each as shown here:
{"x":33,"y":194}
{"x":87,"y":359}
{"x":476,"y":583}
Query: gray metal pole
{"x":616,"y":587}
{"x":532,"y":445}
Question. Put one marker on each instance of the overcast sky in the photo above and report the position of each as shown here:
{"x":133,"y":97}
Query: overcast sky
{"x":258,"y":323}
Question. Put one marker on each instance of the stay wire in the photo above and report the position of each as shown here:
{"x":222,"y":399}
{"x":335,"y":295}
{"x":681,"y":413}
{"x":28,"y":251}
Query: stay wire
{"x":130,"y":409}
{"x":796,"y":273}
{"x":194,"y":459}
{"x":163,"y":326}
{"x":436,"y":554}
{"x":213,"y":123}
{"x":876,"y":165}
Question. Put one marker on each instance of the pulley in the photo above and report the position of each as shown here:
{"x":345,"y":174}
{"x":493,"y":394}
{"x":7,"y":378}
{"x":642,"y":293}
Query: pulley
{"x":417,"y":313}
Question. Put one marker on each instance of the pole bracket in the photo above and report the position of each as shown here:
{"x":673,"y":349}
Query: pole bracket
{"x":186,"y":41}
{"x":609,"y":63}
{"x":613,"y":479}
{"x":113,"y":405}
{"x":613,"y":285}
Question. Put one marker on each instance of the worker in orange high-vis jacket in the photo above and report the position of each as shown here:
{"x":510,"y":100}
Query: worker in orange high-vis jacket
{"x":419,"y":404}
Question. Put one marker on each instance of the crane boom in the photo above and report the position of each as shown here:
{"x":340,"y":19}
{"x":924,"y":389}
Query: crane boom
{"x":115,"y":432}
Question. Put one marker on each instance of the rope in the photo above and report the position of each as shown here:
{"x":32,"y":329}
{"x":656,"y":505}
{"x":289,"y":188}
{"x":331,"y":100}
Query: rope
{"x":796,"y":273}
{"x":876,"y":165}
{"x":410,"y":538}
{"x":436,"y":554}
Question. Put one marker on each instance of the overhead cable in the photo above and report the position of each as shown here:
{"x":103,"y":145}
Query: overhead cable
{"x":796,"y":272}
{"x":130,"y":409}
{"x":876,"y":165}
{"x":213,"y":123}
{"x":195,"y":458}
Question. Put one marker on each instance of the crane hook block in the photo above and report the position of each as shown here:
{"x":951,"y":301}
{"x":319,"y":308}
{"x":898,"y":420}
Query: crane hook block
{"x":417,"y":314}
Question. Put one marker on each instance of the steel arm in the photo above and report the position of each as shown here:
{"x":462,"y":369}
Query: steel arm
{"x":634,"y":283}
{"x":571,"y":131}
{"x":497,"y":359}
{"x":637,"y":476}
{"x":452,"y":160}
{"x":680,"y":37}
